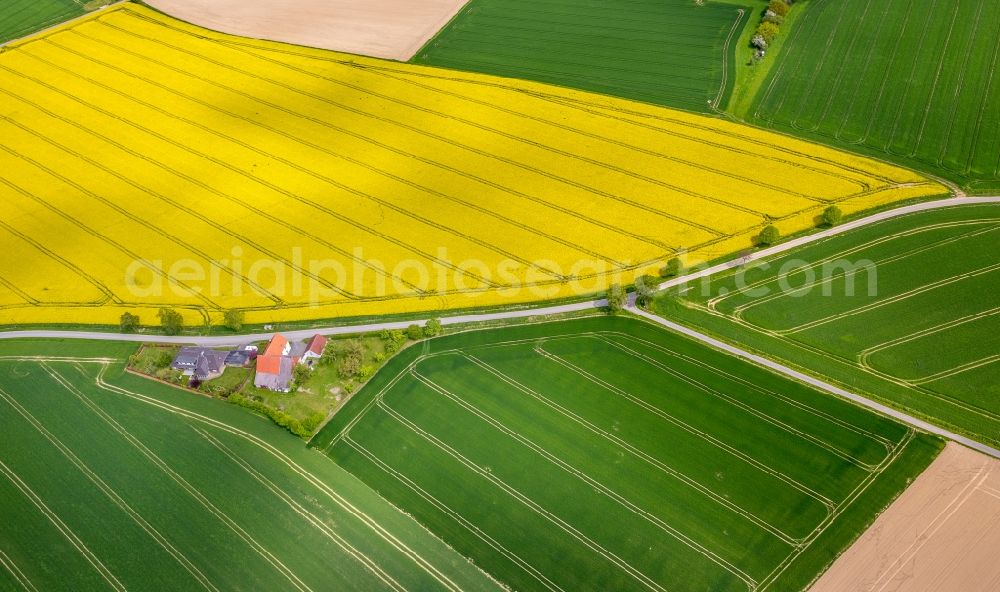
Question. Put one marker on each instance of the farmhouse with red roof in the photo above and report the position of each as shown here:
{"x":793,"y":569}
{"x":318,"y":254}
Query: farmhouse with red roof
{"x":275,"y":366}
{"x":314,"y":350}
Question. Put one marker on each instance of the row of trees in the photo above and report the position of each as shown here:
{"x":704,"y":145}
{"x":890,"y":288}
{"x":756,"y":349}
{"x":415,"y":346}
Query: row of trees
{"x":645,"y":286}
{"x":172,"y":321}
{"x":770,"y":24}
{"x":349,"y":355}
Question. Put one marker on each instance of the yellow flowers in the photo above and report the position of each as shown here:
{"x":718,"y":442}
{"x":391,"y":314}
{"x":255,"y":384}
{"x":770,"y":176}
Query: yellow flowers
{"x":146,"y":162}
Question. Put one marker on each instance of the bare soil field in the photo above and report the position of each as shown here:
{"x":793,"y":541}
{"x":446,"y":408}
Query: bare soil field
{"x":941,"y":534}
{"x":393,"y":29}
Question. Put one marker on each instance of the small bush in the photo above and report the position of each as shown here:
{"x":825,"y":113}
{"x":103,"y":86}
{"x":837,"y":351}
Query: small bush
{"x":645,"y":290}
{"x":616,"y":298}
{"x":279,"y":417}
{"x":832,"y":216}
{"x":300,"y":375}
{"x":171,"y":321}
{"x":769,"y":31}
{"x":432,"y":328}
{"x":778,"y":7}
{"x":673,"y":268}
{"x":128,"y":322}
{"x":769,"y":236}
{"x":233,"y":319}
{"x":414,"y":332}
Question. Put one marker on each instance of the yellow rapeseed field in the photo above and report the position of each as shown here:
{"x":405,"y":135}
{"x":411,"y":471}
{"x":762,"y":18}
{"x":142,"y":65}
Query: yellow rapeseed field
{"x":145,"y":162}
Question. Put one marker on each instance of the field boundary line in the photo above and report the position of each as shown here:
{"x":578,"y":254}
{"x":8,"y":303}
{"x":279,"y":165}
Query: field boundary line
{"x":511,"y":491}
{"x":660,"y":523}
{"x":109,"y":491}
{"x":311,"y":518}
{"x":547,"y":147}
{"x":855,"y":366}
{"x":835,"y":90}
{"x":314,"y":146}
{"x":955,"y":8}
{"x":101,"y":135}
{"x":442,"y":507}
{"x":739,"y":404}
{"x":420,"y":131}
{"x":713,"y":302}
{"x":337,"y":498}
{"x":886,"y":147}
{"x":11,"y":566}
{"x":783,"y":369}
{"x":631,"y":449}
{"x":864,"y":73}
{"x":63,"y":528}
{"x":181,"y":481}
{"x":865,"y":354}
{"x":272,"y":186}
{"x":732,"y":450}
{"x":935,"y":525}
{"x":986,"y":361}
{"x":858,"y":491}
{"x":886,"y":442}
{"x":959,"y":88}
{"x":725,"y":58}
{"x":893,"y":299}
{"x":346,"y":158}
{"x":156,"y":230}
{"x":863,"y":139}
{"x":57,"y":23}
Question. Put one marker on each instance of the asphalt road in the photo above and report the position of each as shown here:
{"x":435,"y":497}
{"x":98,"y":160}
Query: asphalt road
{"x":591,"y":305}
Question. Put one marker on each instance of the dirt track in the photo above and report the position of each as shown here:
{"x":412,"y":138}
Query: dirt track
{"x":393,"y":29}
{"x":942,"y":534}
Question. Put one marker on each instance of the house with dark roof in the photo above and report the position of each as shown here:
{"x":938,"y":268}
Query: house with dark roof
{"x":200,"y":363}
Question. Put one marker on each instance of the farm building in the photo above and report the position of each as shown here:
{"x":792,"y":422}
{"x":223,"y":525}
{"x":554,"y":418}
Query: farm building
{"x":275,"y":366}
{"x":201,"y":363}
{"x":314,"y":350}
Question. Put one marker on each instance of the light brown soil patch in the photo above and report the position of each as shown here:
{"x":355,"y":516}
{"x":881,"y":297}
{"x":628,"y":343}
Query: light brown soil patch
{"x":393,"y":29}
{"x":941,"y":535}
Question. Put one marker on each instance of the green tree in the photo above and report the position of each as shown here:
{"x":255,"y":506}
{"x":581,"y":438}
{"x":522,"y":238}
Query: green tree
{"x":300,"y":375}
{"x":432,"y":328}
{"x":616,"y":298}
{"x":329,"y":355}
{"x":415,"y":332}
{"x":778,"y":7}
{"x":673,"y":268}
{"x":349,"y":366}
{"x":769,"y":235}
{"x":312,"y":422}
{"x":769,"y":31}
{"x":171,"y":321}
{"x":233,"y":319}
{"x":832,"y":216}
{"x":128,"y":322}
{"x":645,"y":290}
